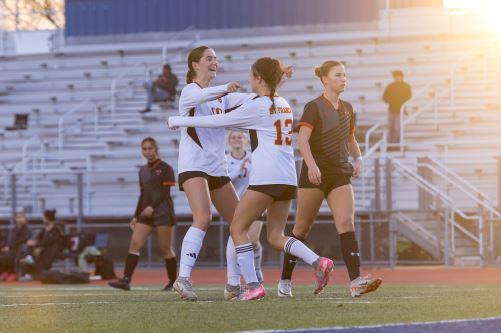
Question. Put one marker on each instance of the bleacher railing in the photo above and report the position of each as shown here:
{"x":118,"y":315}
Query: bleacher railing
{"x":443,"y":201}
{"x":433,"y":91}
{"x":115,"y":84}
{"x":64,"y":128}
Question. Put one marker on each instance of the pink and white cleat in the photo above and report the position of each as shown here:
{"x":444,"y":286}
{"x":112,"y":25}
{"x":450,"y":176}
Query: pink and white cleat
{"x":252,"y":294}
{"x":364,"y":285}
{"x":322,"y":273}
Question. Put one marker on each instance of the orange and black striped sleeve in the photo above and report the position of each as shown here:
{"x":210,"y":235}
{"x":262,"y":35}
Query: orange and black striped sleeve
{"x":309,"y":117}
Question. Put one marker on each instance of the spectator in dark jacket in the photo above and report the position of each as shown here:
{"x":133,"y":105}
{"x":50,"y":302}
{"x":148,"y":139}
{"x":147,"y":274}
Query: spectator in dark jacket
{"x":162,"y":89}
{"x":17,"y":238}
{"x":395,"y":95}
{"x":48,"y":244}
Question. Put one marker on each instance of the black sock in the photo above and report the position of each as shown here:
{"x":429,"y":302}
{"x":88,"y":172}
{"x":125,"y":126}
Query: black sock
{"x":171,"y":267}
{"x":351,"y":255}
{"x":289,"y":263}
{"x":130,"y":265}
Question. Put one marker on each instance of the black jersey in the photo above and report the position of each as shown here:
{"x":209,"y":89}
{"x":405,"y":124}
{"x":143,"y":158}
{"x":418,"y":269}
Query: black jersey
{"x":331,"y":131}
{"x":155,"y":180}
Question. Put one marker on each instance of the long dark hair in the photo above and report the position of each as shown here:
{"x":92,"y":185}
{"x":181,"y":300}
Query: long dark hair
{"x":270,"y":70}
{"x":194,"y":56}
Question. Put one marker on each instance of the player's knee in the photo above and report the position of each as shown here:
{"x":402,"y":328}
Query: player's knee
{"x":275,"y":240}
{"x":301,"y":231}
{"x":135,"y":246}
{"x":168,"y":253}
{"x":345,"y":224}
{"x":202,"y":221}
{"x":236,"y":229}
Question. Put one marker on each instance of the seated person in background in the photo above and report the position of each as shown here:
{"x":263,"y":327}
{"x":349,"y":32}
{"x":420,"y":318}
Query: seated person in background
{"x":162,"y":89}
{"x":48,"y":244}
{"x":8,"y":254}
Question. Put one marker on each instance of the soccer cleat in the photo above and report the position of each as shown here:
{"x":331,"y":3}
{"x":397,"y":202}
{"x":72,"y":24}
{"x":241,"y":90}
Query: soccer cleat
{"x":322,"y":273}
{"x":364,"y":285}
{"x":26,"y":278}
{"x":184,"y":289}
{"x":168,"y":287}
{"x":284,"y":288}
{"x":231,"y":293}
{"x":253,"y":294}
{"x":120,"y":284}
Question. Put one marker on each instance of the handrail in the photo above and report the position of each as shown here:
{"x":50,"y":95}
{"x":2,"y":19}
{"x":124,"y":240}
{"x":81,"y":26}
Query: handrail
{"x":114,"y":83}
{"x":416,"y":225}
{"x":24,"y":150}
{"x":404,"y":121}
{"x":479,"y":197}
{"x":172,"y":37}
{"x":433,"y":101}
{"x":60,"y":126}
{"x":369,"y":151}
{"x":432,"y":189}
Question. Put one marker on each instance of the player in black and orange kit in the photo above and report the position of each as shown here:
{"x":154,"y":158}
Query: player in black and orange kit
{"x":154,"y":210}
{"x":326,"y":141}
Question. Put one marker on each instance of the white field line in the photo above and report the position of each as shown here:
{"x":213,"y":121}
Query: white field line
{"x":75,"y":295}
{"x":381,"y":297}
{"x":328,"y":329}
{"x":55,"y":288}
{"x":51,"y":304}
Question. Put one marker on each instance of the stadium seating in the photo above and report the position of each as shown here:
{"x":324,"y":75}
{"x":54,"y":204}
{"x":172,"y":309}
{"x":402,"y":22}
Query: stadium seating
{"x":102,"y":132}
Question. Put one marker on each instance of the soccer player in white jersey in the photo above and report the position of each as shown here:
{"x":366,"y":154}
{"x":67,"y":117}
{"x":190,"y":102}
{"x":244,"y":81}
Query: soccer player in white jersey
{"x":239,"y":168}
{"x":273,"y":177}
{"x":202,"y":166}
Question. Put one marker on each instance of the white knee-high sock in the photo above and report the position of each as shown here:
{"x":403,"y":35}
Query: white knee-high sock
{"x":245,"y":257}
{"x":190,"y":249}
{"x":232,"y":269}
{"x":298,"y":249}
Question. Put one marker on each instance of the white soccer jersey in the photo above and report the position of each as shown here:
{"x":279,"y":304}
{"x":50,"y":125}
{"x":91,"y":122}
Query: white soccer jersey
{"x":239,"y":176}
{"x":270,"y":137}
{"x":202,"y":149}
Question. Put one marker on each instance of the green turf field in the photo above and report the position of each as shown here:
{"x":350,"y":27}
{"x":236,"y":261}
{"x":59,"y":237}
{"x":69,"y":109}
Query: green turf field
{"x":99,"y":309}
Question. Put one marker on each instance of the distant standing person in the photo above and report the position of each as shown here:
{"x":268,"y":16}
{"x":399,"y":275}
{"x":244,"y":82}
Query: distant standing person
{"x":154,"y":210}
{"x":395,"y":95}
{"x":162,"y":89}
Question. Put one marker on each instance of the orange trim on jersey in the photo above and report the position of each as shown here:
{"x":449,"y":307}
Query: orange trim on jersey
{"x":169,"y":183}
{"x":156,"y":163}
{"x":304,"y":123}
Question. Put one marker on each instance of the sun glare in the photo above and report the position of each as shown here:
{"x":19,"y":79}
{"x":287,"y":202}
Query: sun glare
{"x":489,"y":11}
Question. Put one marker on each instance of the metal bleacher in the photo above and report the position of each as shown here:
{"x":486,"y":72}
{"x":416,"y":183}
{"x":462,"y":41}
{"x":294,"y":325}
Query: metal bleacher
{"x":83,"y":118}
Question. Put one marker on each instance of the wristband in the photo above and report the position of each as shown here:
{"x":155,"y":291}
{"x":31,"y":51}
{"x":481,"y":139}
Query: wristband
{"x":359,"y":158}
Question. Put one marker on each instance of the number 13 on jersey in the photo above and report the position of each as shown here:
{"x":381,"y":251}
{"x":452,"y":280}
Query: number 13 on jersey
{"x":288,"y":137}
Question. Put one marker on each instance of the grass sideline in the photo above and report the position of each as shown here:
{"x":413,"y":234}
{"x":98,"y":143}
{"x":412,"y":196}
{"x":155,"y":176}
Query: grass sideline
{"x":89,"y":308}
